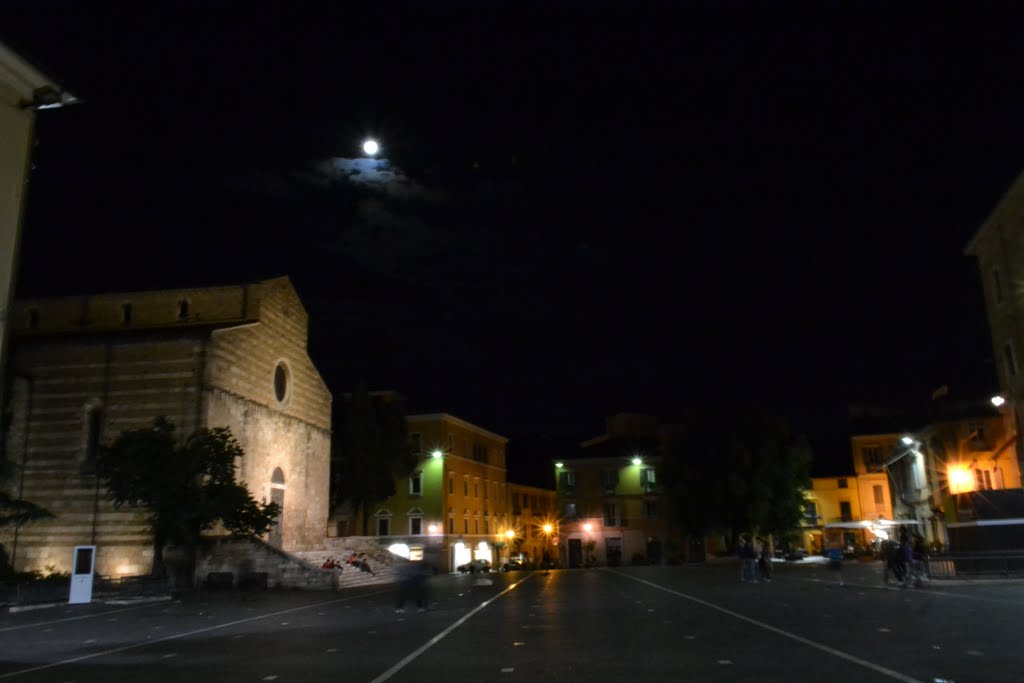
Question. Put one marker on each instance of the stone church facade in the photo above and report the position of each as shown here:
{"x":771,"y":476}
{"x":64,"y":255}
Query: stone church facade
{"x":86,"y":368}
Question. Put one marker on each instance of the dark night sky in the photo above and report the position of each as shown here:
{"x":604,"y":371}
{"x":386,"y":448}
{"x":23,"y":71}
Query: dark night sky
{"x":590,"y":210}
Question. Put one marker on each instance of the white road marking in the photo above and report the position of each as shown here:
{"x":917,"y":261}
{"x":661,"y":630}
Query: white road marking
{"x":923,"y":591}
{"x":440,"y":636}
{"x":508,"y":670}
{"x":518,"y":643}
{"x":725,"y":661}
{"x":61,"y":621}
{"x":882,"y":629}
{"x":206,"y":629}
{"x":976,"y":653}
{"x":774,"y":629}
{"x":332,"y":649}
{"x":270,"y":678}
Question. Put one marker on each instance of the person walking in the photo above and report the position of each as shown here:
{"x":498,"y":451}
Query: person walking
{"x":764,"y":561}
{"x":412,"y":587}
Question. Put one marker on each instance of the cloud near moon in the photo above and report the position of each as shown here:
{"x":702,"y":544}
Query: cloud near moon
{"x":374,"y":174}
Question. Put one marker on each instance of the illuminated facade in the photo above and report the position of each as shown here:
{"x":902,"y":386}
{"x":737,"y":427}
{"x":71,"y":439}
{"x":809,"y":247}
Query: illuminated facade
{"x":999,"y":248}
{"x":89,"y":367}
{"x":454,"y":506}
{"x":23,"y":91}
{"x":928,"y":470}
{"x":534,"y":520}
{"x":609,"y":501}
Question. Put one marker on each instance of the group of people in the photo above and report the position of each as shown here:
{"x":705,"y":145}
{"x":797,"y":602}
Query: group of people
{"x":905,"y":561}
{"x":755,"y":560}
{"x":354,"y":560}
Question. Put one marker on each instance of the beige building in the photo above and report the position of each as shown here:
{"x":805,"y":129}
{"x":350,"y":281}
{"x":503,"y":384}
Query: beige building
{"x":88,"y":367}
{"x":23,"y":92}
{"x":609,"y":500}
{"x":999,"y":248}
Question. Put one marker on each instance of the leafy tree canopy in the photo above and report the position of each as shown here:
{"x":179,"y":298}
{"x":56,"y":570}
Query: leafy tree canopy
{"x":15,"y":512}
{"x":373,"y":450}
{"x":187,"y":487}
{"x":733,"y":471}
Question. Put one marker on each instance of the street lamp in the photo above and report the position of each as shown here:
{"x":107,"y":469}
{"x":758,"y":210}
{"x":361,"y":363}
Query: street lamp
{"x":636,"y":460}
{"x":998,"y":401}
{"x":436,"y":453}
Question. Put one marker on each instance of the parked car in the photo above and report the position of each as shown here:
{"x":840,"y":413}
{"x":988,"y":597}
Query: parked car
{"x":512,"y":566}
{"x":475,"y":566}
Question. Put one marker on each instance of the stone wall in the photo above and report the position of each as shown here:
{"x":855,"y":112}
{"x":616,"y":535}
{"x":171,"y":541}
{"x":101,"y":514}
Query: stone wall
{"x":61,"y":382}
{"x":201,"y":357}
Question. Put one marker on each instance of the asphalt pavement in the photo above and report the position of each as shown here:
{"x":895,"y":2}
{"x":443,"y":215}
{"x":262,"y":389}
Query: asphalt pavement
{"x":615,"y":624}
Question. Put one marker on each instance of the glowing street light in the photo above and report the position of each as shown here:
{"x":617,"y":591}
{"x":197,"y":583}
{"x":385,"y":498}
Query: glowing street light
{"x":370,"y":147}
{"x":510,"y":534}
{"x":559,"y":464}
{"x":588,"y":527}
{"x":436,"y":453}
{"x":998,"y":401}
{"x":636,"y":460}
{"x":907,"y":441}
{"x":548,"y":528}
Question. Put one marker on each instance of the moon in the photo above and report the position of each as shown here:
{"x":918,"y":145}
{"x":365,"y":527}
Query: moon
{"x":371,"y":147}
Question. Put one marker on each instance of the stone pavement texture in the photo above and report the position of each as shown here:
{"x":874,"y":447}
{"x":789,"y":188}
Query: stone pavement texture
{"x":626,"y":624}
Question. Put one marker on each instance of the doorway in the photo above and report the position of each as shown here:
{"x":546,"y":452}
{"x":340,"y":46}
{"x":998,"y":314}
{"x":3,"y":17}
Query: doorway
{"x":575,"y":553}
{"x":276,"y":537}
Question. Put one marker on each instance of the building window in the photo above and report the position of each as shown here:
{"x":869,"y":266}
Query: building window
{"x":570,"y":510}
{"x":451,"y":525}
{"x":983,"y":480}
{"x":451,"y":443}
{"x":33,"y":318}
{"x":476,"y":489}
{"x":810,"y":514}
{"x":845,"y":512}
{"x":479,"y":453}
{"x":416,"y":484}
{"x":566,"y":480}
{"x":487,"y":486}
{"x":126,"y":314}
{"x":842,"y":483}
{"x":997,"y":285}
{"x":609,"y":479}
{"x":650,"y":509}
{"x":383,"y":526}
{"x":93,"y":423}
{"x":465,"y":487}
{"x":182,"y":309}
{"x":415,"y":526}
{"x":465,"y":526}
{"x":871,"y":454}
{"x":609,"y":514}
{"x":415,"y":442}
{"x":281,"y":382}
{"x":451,"y":484}
{"x":1010,"y":359}
{"x":476,"y":526}
{"x":879,"y":496}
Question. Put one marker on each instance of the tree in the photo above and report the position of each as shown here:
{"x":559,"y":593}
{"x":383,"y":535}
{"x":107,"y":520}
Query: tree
{"x":14,"y":512}
{"x":734,"y":471}
{"x":372,"y":452}
{"x":187,"y":487}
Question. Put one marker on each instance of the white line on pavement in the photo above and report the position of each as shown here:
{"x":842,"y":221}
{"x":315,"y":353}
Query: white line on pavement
{"x":84,"y":616}
{"x":436,"y":639}
{"x":909,"y":591}
{"x":145,"y":643}
{"x":768,"y":627}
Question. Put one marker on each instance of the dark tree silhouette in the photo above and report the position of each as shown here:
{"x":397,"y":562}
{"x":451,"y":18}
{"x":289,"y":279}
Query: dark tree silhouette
{"x":373,"y":450}
{"x":188,"y":487}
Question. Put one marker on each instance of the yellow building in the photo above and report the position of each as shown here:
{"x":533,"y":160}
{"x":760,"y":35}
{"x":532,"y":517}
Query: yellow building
{"x":533,"y":523}
{"x":453,"y":507}
{"x":609,"y":499}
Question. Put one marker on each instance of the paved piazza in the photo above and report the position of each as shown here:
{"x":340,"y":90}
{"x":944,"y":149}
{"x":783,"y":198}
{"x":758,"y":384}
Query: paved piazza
{"x":627,"y":624}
